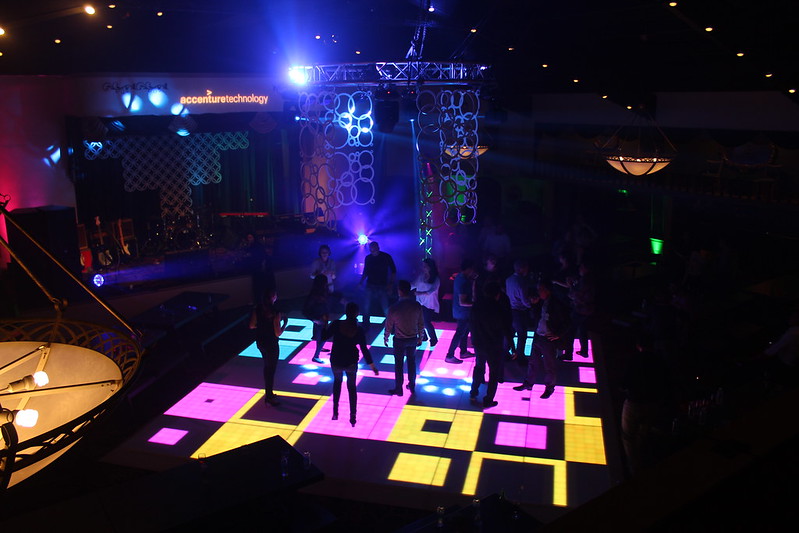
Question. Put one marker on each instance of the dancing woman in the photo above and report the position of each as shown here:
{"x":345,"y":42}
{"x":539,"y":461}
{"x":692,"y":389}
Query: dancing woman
{"x":426,"y":287}
{"x":347,"y":337}
{"x":268,"y":324}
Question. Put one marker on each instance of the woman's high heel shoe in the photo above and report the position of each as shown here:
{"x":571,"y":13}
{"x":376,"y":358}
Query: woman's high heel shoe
{"x":352,"y":419}
{"x":335,"y":413}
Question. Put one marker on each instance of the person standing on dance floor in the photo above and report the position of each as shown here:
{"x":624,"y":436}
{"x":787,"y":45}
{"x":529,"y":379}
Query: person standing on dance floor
{"x":378,"y":275}
{"x":317,"y":310}
{"x":426,"y":287}
{"x":462,"y":300}
{"x":517,"y":287}
{"x":324,"y":265}
{"x":551,"y":321}
{"x":348,"y":336}
{"x":492,"y":336}
{"x":268,"y":324}
{"x":405,"y":322}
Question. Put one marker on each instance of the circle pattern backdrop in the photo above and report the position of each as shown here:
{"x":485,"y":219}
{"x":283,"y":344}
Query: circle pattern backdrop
{"x":447,"y":139}
{"x":337,"y":158}
{"x":170,"y":164}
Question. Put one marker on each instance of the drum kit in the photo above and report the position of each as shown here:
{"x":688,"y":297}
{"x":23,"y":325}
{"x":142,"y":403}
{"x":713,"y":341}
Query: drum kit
{"x":171,"y":233}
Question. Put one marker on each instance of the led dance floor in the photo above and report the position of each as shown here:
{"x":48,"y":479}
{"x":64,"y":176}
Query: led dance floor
{"x":538,"y":452}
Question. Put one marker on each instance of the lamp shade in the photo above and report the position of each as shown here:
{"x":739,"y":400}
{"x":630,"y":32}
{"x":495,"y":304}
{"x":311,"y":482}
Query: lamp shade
{"x":639,"y":148}
{"x":637,"y":166}
{"x":87,"y":367}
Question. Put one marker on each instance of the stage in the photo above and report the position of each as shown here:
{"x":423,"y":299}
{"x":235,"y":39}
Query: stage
{"x":432,"y":449}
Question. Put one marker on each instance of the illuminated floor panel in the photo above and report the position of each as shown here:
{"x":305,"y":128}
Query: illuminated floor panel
{"x":437,"y":438}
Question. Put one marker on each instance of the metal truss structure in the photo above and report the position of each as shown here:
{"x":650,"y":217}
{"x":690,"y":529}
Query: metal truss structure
{"x":448,"y":102}
{"x":384,"y":72}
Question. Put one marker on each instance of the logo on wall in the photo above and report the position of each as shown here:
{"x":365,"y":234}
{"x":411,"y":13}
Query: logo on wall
{"x":210,"y":98}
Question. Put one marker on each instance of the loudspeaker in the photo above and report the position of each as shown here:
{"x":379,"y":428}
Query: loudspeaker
{"x":54,"y":228}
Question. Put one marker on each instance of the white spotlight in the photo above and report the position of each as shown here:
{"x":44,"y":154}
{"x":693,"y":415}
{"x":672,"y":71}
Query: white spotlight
{"x":298,"y":75}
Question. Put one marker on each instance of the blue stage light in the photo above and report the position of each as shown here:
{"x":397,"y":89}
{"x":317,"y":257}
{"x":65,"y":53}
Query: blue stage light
{"x":98,"y":280}
{"x":183,"y":132}
{"x":177,"y":109}
{"x":157,"y":97}
{"x":363,"y":239}
{"x":298,"y":75}
{"x":132,"y":102}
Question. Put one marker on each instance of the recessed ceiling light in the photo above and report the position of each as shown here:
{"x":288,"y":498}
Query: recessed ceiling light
{"x":740,"y":54}
{"x":791,"y":91}
{"x":109,"y":26}
{"x":511,"y":49}
{"x":769,"y":74}
{"x":160,"y":14}
{"x":57,"y":41}
{"x":544,"y":65}
{"x":629,"y":107}
{"x":575,"y":80}
{"x":709,"y":28}
{"x":672,"y":4}
{"x":2,"y":31}
{"x":604,"y":97}
{"x":473,"y":30}
{"x":111,"y":6}
{"x":317,"y":37}
{"x":358,"y":52}
{"x":89,"y":9}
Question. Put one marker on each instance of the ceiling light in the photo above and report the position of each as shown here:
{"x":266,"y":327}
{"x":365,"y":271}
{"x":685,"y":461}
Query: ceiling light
{"x":357,"y":52}
{"x":544,"y":65}
{"x":576,"y":80}
{"x":317,"y":37}
{"x":160,"y":14}
{"x":769,"y":74}
{"x":111,"y":6}
{"x":709,"y":28}
{"x":792,"y":91}
{"x":639,"y":148}
{"x":109,"y":26}
{"x":740,"y":54}
{"x":57,"y":41}
{"x":604,"y":97}
{"x":89,"y":9}
{"x":672,"y":4}
{"x":511,"y":49}
{"x":431,"y":9}
{"x":473,"y":30}
{"x":2,"y":31}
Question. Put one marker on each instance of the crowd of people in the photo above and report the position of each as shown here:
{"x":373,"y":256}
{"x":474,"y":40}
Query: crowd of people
{"x":496,"y":299}
{"x":490,"y":308}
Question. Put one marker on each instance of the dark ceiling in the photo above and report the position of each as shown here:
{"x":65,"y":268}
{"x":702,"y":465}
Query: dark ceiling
{"x":616,"y":47}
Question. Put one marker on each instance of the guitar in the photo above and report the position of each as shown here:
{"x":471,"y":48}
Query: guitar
{"x":122,"y":245}
{"x":103,"y":253}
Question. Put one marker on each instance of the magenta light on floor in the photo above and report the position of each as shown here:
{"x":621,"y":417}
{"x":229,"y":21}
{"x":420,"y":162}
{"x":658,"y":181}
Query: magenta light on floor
{"x":213,"y":402}
{"x":375,"y":418}
{"x":168,"y":436}
{"x":521,"y":435}
{"x":587,"y":374}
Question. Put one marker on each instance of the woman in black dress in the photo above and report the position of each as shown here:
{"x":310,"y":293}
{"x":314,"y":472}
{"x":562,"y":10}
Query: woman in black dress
{"x":347,"y":337}
{"x":268,"y":324}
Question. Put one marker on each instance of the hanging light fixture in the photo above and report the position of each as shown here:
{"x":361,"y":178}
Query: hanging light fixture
{"x":639,"y":148}
{"x":57,"y":376}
